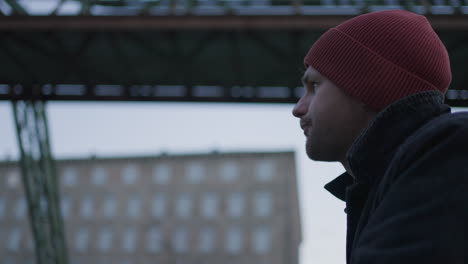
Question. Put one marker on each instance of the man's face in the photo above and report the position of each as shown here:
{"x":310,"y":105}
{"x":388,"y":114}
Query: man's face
{"x":331,"y":119}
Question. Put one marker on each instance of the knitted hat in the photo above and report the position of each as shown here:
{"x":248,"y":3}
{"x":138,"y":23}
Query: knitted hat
{"x":381,"y":57}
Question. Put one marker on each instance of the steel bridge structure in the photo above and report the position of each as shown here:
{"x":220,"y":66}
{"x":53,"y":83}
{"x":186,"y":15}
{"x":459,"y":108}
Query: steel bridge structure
{"x":168,"y":50}
{"x":187,"y":50}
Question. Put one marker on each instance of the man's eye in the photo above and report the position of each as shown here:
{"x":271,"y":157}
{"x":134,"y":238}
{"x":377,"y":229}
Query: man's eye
{"x":313,"y":85}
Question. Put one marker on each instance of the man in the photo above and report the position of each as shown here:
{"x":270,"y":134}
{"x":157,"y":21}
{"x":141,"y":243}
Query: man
{"x":374,"y":91}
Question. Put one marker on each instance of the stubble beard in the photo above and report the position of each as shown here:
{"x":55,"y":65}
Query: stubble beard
{"x":317,"y":152}
{"x":309,"y":148}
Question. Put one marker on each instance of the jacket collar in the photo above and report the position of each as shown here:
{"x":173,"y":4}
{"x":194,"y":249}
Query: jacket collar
{"x":371,"y":153}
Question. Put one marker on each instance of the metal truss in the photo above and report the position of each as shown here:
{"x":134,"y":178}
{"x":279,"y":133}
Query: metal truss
{"x":173,"y":65}
{"x":175,"y":93}
{"x":167,"y":93}
{"x":176,"y":50}
{"x":239,"y":7}
{"x":40,"y":182}
{"x":245,"y":22}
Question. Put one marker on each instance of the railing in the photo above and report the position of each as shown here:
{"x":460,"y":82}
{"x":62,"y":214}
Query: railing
{"x":226,"y":7}
{"x":170,"y":93}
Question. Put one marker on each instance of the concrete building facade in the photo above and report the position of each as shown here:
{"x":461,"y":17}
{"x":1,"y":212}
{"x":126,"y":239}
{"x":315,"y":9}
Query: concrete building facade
{"x":189,"y":209}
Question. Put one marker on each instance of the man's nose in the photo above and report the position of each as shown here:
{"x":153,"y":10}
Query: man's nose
{"x":301,"y":108}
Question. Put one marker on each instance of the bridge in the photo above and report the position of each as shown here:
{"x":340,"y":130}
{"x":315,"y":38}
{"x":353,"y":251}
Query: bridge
{"x":187,"y":50}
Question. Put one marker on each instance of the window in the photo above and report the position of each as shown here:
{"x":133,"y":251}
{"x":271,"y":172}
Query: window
{"x":134,"y":207}
{"x":99,"y":176}
{"x":184,"y":205}
{"x":105,"y":240}
{"x":229,"y":171}
{"x":14,"y":239}
{"x":236,"y":204}
{"x":206,"y":240}
{"x":158,"y":207}
{"x":9,"y":260}
{"x":70,"y":176}
{"x":20,"y":209}
{"x":261,"y":240}
{"x":195,"y":172}
{"x":13,"y":179}
{"x":154,"y":240}
{"x":234,"y":239}
{"x":263,"y":204}
{"x":87,"y":207}
{"x":81,"y":239}
{"x":129,"y":240}
{"x":209,"y":205}
{"x":2,"y":206}
{"x":110,"y":207}
{"x":180,"y":240}
{"x":74,"y":260}
{"x":130,"y":174}
{"x":161,"y":174}
{"x":264,"y":170}
{"x":65,"y":206}
{"x":205,"y":3}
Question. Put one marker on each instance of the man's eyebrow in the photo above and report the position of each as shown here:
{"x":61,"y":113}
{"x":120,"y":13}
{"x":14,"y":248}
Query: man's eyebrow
{"x":304,"y":79}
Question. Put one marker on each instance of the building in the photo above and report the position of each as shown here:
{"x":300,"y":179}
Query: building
{"x":188,"y":209}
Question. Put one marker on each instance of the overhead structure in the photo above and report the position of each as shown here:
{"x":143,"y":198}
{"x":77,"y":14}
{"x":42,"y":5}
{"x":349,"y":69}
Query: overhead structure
{"x":215,"y":51}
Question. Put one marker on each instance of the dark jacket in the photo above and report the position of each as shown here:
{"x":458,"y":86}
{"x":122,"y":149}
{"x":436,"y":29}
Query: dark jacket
{"x":408,"y":202}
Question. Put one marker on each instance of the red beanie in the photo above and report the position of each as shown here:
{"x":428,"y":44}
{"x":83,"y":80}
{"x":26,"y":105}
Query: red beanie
{"x":381,"y":57}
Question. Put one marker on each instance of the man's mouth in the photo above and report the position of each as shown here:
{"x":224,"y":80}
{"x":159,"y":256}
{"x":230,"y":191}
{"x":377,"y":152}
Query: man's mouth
{"x":305,"y":126}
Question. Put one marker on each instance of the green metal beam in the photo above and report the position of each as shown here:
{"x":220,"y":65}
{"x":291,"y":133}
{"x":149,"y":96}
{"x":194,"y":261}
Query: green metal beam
{"x":40,"y":182}
{"x":18,"y":9}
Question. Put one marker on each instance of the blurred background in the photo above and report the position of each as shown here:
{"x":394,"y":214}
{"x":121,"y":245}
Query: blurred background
{"x":160,"y":131}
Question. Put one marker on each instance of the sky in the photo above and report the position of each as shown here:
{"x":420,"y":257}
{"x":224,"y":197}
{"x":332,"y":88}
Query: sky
{"x":82,"y":129}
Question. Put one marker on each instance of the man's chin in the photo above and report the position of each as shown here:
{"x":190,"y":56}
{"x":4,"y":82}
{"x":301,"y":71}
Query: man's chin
{"x":312,"y":155}
{"x":317,"y":154}
{"x":311,"y":152}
